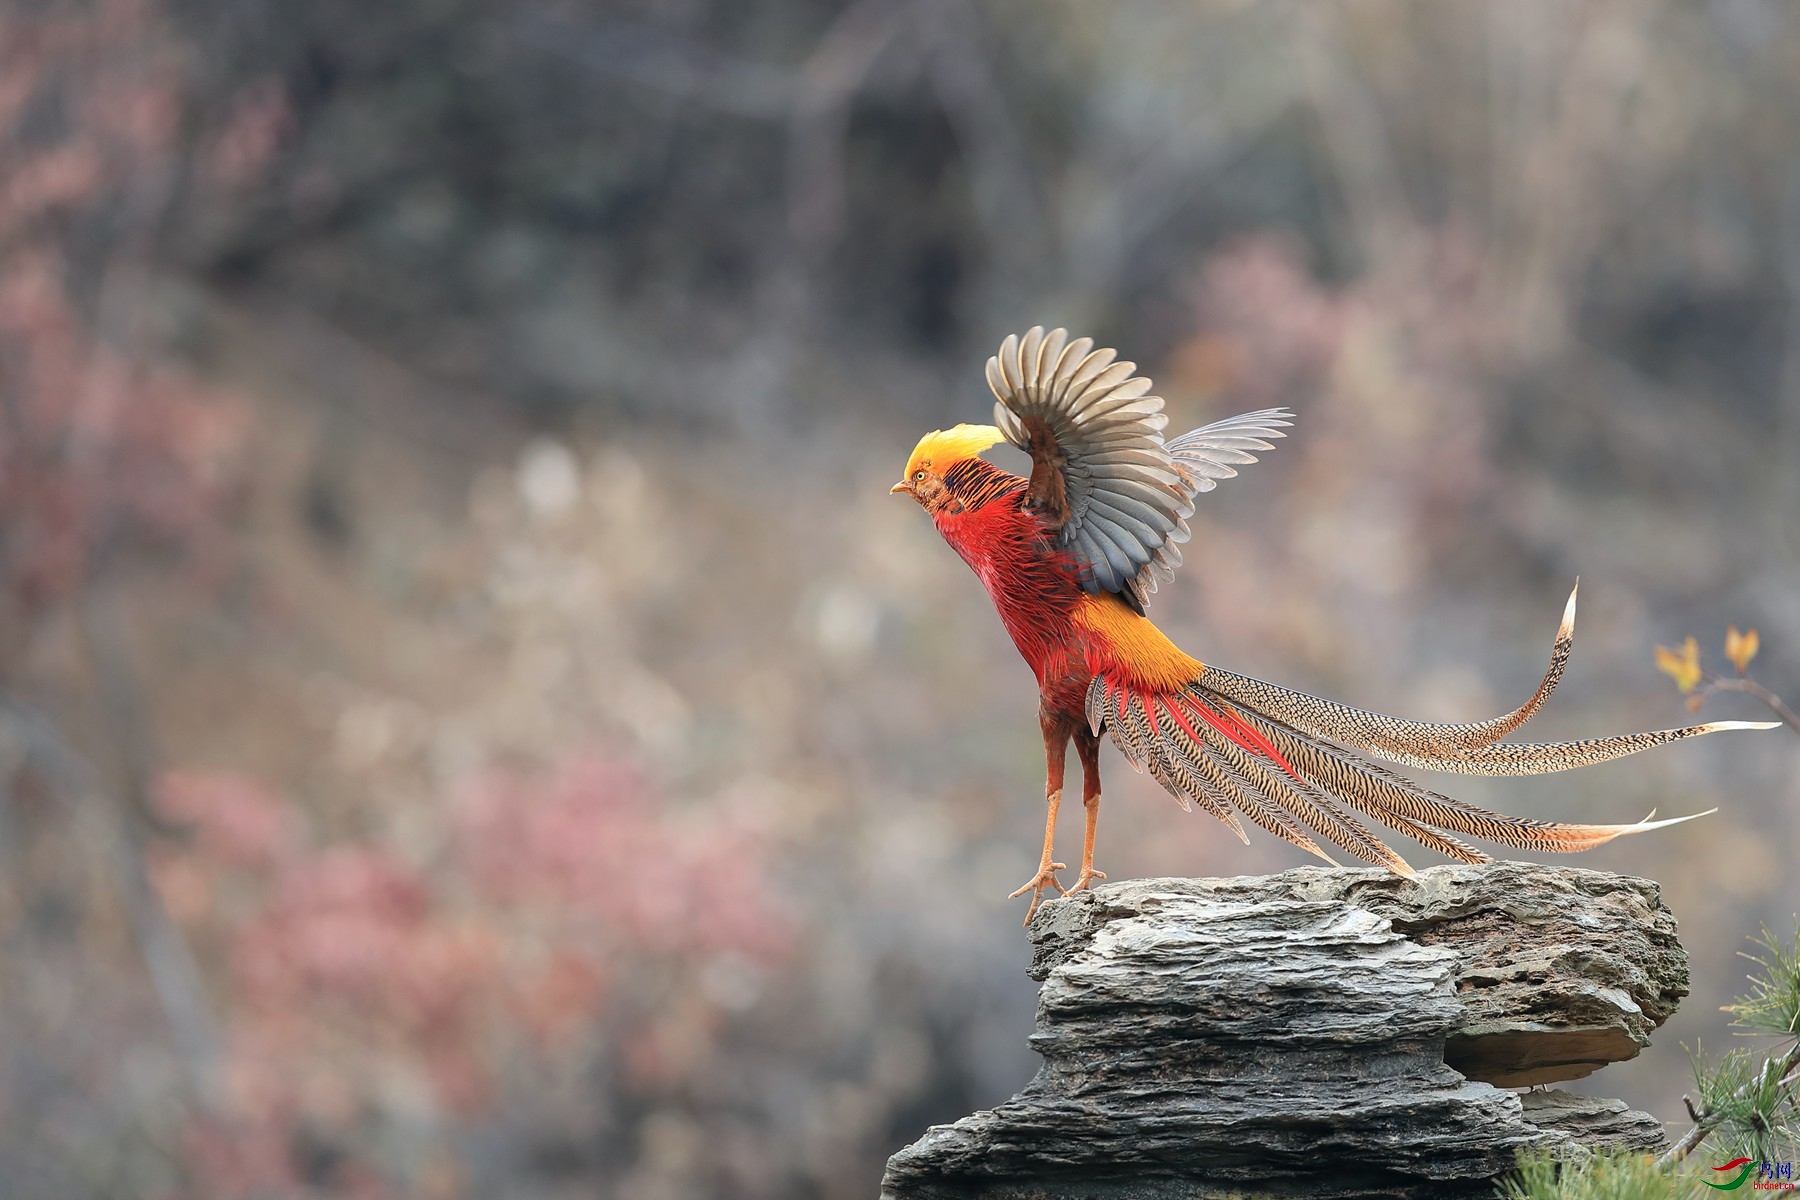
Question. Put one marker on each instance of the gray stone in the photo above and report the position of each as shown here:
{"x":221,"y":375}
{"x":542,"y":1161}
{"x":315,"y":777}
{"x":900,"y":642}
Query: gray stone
{"x":1594,"y":1121}
{"x":1325,"y":1033}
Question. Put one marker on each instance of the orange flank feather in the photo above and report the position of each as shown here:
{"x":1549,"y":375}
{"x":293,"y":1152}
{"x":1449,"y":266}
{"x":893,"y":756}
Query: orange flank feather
{"x":1133,"y":655}
{"x":1129,"y":647}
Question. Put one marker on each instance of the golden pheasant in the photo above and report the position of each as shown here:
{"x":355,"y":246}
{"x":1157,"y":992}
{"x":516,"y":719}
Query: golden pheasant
{"x":1069,"y":557}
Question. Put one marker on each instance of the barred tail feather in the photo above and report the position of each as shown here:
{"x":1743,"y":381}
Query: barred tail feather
{"x":1393,"y":736}
{"x":1462,"y":749}
{"x":1123,"y":714}
{"x":1202,"y":733}
{"x":1209,"y":749}
{"x":1387,"y":797}
{"x":1307,"y":804}
{"x":1547,"y":758}
{"x":1183,"y":740}
{"x":1137,"y":735}
{"x":1181,"y":776}
{"x":1188,"y":789}
{"x":1245,"y":798}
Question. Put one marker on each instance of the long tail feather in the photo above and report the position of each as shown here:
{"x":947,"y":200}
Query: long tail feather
{"x":1381,"y":733}
{"x":1237,"y":793}
{"x":1180,"y":775}
{"x":1546,"y":758}
{"x":1288,"y":761}
{"x":1473,"y":748}
{"x":1244,"y":796}
{"x":1183,"y":783}
{"x":1379,"y":793}
{"x":1183,"y":740}
{"x":1122,"y":713}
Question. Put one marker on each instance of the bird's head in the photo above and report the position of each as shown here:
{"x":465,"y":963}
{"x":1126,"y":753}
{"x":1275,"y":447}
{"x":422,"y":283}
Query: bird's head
{"x":933,"y":457}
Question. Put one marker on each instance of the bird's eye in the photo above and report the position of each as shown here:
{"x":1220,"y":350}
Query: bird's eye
{"x":918,"y":476}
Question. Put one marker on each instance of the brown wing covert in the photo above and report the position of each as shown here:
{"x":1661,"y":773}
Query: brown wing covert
{"x":1100,"y":472}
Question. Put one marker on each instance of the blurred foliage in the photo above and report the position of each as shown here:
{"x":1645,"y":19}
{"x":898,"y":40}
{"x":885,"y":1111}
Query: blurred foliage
{"x":1740,"y":648}
{"x":472,"y":721}
{"x":1549,"y":1176}
{"x":1683,"y":666}
{"x":104,"y":449}
{"x":570,"y":939}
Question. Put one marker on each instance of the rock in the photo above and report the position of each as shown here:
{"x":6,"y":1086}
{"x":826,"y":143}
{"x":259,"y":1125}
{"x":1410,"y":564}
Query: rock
{"x":1325,"y":1033}
{"x":1594,"y":1121}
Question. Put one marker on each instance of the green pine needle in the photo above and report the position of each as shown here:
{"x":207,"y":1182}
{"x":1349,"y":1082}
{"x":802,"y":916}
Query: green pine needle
{"x":1544,"y":1176}
{"x":1773,"y":1003}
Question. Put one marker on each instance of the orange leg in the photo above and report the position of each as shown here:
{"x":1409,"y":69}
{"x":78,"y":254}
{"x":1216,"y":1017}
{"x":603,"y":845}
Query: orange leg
{"x":1056,"y":748}
{"x":1088,"y":747}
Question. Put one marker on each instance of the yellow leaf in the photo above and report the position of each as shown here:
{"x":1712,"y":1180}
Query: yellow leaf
{"x":1683,"y":667}
{"x":1740,"y":648}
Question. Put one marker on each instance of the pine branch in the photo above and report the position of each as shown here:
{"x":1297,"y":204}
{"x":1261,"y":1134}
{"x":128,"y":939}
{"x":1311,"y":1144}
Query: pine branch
{"x":1756,"y":1104}
{"x":1709,"y":1117}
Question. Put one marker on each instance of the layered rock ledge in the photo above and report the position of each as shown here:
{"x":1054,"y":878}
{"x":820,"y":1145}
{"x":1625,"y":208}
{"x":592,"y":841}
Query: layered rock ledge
{"x":1321,"y":1033}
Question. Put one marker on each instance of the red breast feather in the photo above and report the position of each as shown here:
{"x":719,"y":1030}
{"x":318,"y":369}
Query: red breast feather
{"x":1034,"y":586}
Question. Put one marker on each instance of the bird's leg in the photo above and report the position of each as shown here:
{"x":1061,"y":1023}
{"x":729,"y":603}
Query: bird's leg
{"x":1046,"y":872}
{"x":1056,"y":748}
{"x":1087,"y":745}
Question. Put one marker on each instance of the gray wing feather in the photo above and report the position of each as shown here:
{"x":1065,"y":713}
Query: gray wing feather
{"x":1212,"y":452}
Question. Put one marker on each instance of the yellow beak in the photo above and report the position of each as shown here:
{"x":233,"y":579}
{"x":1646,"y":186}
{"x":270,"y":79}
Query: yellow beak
{"x":902,"y":486}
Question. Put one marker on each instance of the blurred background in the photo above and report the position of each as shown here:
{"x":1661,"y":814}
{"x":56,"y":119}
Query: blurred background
{"x":473,"y":721}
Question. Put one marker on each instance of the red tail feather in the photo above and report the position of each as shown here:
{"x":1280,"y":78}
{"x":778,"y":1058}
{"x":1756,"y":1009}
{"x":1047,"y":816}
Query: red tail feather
{"x":1238,"y":732}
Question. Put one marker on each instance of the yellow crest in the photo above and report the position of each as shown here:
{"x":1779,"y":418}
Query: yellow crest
{"x":941,"y":449}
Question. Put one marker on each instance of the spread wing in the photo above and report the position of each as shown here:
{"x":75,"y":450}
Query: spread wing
{"x":1208,"y":454}
{"x":1101,"y":476}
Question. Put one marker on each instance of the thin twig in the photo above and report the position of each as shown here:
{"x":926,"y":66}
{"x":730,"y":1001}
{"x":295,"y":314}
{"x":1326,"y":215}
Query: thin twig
{"x":1749,"y":687}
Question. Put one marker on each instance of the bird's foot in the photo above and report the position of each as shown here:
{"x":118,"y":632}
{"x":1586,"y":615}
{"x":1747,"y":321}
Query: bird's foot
{"x":1045,"y":878}
{"x":1084,"y":881}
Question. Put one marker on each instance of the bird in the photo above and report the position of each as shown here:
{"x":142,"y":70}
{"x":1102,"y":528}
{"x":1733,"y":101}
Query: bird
{"x":1070,"y":556}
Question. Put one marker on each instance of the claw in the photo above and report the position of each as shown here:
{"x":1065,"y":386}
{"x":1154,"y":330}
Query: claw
{"x":1045,"y":878}
{"x":1085,"y":880}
